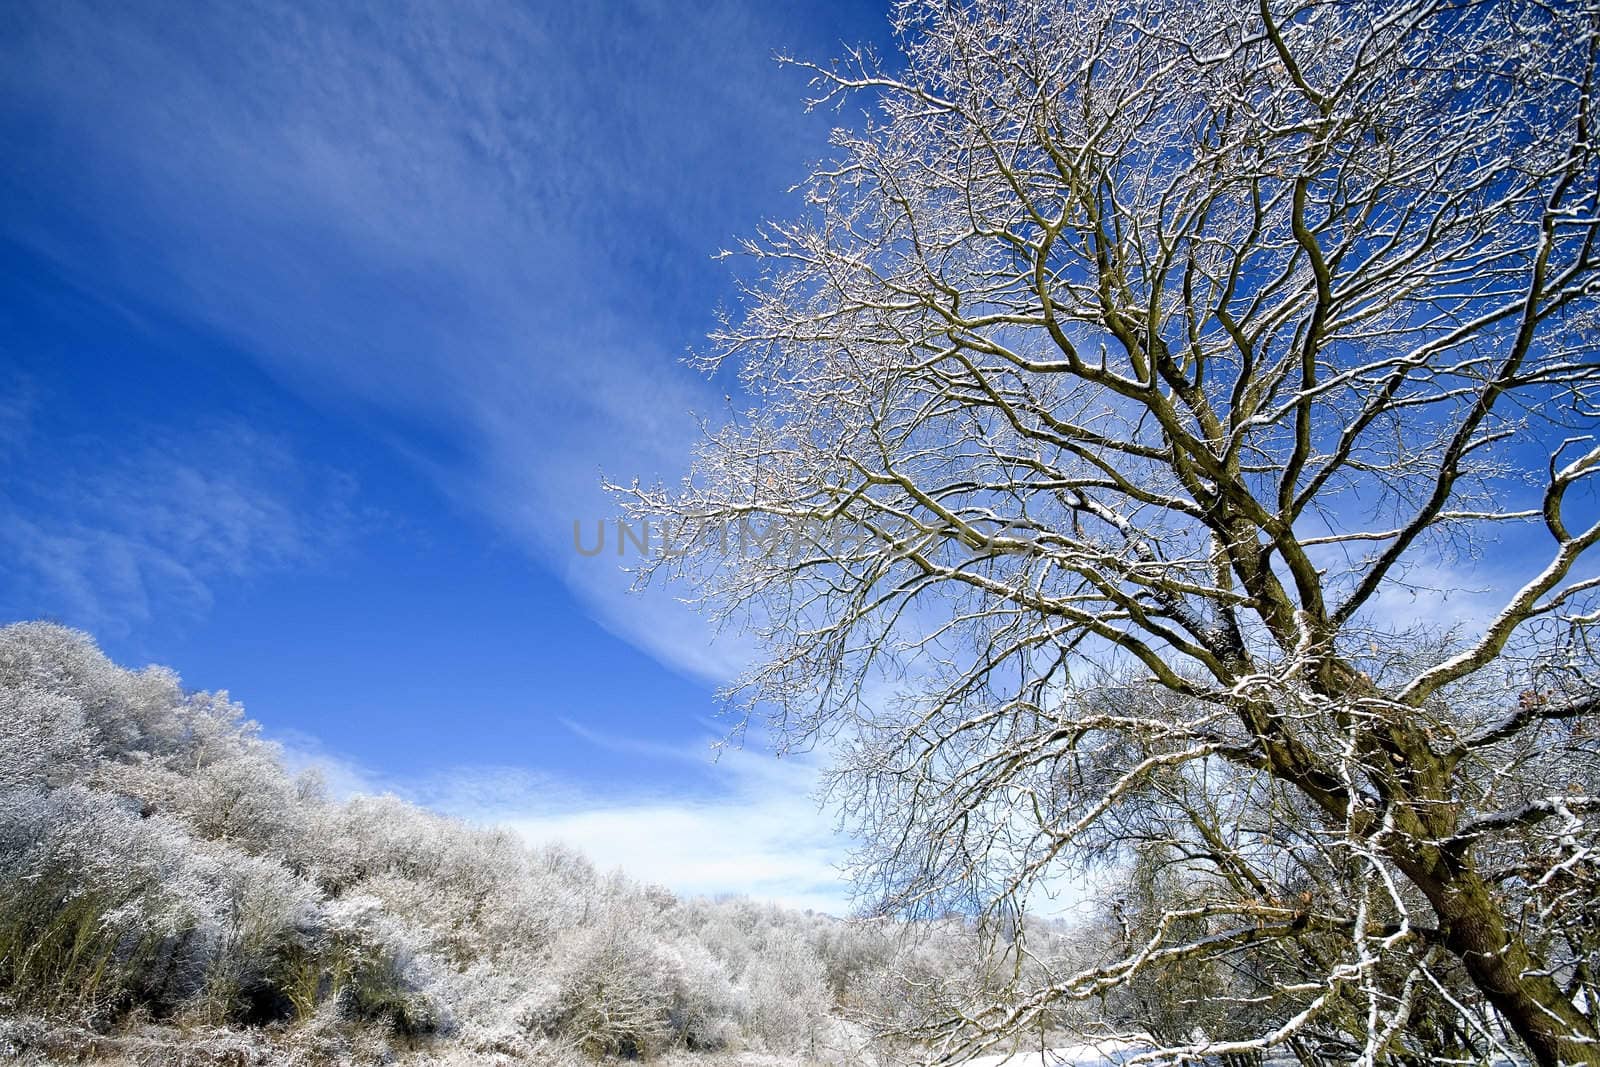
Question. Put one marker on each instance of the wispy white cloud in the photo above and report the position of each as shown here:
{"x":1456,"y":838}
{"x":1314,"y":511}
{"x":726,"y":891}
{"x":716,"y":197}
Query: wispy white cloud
{"x":474,"y":219}
{"x":758,"y":847}
{"x":113,"y":535}
{"x":750,"y":824}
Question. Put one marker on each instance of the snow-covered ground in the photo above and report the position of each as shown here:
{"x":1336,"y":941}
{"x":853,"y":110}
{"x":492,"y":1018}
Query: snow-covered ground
{"x":1083,"y":1055}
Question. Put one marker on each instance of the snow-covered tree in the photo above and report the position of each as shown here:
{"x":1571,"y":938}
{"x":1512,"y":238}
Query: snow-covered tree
{"x":1136,"y":364}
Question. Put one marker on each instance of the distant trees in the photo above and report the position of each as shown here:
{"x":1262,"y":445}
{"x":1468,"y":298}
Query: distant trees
{"x":156,"y":862}
{"x":1136,"y":363}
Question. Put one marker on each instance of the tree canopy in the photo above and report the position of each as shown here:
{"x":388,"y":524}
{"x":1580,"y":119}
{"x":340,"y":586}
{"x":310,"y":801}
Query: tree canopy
{"x":1130,"y":369}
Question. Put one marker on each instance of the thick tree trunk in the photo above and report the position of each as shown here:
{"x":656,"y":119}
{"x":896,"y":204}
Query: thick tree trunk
{"x":1472,"y":924}
{"x":1506,"y":972}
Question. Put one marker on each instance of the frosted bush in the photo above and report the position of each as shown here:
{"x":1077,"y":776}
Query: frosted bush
{"x":158,"y":864}
{"x":47,"y":739}
{"x":704,"y":1006}
{"x":612,"y":993}
{"x":124,"y":709}
{"x":788,"y":993}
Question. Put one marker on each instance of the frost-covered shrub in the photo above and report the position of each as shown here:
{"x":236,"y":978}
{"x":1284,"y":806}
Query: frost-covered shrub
{"x":97,"y":906}
{"x":704,"y":1006}
{"x":241,"y":796}
{"x":47,"y":739}
{"x":372,"y":968}
{"x":124,"y":710}
{"x":471,"y":893}
{"x":851,"y":949}
{"x":611,"y":995}
{"x":261,"y":913}
{"x":918,"y":971}
{"x":789,"y":998}
{"x":101,"y":907}
{"x":157,"y":863}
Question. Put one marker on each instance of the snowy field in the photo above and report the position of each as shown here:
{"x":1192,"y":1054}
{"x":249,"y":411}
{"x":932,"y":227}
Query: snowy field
{"x":1082,"y":1055}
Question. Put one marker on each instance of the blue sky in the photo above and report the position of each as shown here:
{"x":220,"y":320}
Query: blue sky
{"x":317,"y":327}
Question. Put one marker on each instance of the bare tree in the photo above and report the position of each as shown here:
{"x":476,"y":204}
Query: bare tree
{"x":1135,"y":361}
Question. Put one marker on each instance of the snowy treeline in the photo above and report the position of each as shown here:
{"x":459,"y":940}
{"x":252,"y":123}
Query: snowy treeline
{"x":158,"y":865}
